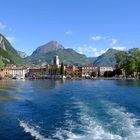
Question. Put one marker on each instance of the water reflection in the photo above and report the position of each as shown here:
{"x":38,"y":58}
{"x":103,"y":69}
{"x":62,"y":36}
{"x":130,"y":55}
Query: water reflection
{"x":8,"y":90}
{"x":4,"y":84}
{"x":131,"y":83}
{"x":15,"y":89}
{"x":47,"y":84}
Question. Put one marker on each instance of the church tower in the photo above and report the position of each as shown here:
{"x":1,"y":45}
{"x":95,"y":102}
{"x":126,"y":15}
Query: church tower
{"x":56,"y":60}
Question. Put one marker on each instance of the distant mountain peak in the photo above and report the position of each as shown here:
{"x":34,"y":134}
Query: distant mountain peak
{"x":49,"y":47}
{"x":22,"y":54}
{"x":112,"y":49}
{"x":53,"y":41}
{"x":107,"y":58}
{"x":45,"y":53}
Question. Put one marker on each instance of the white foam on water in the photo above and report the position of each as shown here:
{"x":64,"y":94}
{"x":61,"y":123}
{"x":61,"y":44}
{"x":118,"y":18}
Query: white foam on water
{"x":66,"y":132}
{"x":31,"y":130}
{"x":90,"y":127}
{"x":127,"y":120}
{"x":94,"y":129}
{"x":63,"y":134}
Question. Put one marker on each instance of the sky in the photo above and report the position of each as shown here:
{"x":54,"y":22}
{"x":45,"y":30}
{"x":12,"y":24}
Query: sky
{"x":87,"y":26}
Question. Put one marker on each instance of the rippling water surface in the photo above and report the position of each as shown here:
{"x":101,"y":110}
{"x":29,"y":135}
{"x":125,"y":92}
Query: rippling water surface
{"x":70,"y":110}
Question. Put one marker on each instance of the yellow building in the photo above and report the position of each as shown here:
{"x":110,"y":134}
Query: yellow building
{"x":54,"y":69}
{"x":8,"y":70}
{"x":1,"y":73}
{"x":5,"y":72}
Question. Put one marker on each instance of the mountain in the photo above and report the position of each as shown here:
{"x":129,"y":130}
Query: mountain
{"x":7,"y":53}
{"x":92,"y":59}
{"x":45,"y":53}
{"x":22,"y":54}
{"x":49,"y":47}
{"x":106,"y":59}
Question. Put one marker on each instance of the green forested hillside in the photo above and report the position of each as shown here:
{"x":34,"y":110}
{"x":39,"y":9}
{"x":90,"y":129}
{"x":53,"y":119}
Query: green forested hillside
{"x":7,"y":53}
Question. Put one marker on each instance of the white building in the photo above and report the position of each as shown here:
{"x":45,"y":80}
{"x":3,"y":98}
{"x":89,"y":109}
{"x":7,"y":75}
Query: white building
{"x":19,"y":72}
{"x":88,"y":69}
{"x":103,"y":69}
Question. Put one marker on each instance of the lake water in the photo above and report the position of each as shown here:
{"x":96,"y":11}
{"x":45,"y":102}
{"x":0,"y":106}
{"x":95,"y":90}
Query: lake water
{"x":71,"y":110}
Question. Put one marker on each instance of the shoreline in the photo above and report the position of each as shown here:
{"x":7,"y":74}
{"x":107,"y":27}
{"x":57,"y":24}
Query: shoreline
{"x":75,"y":78}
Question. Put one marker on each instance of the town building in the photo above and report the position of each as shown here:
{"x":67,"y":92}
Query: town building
{"x":1,"y":73}
{"x":54,"y":68}
{"x":72,"y":71}
{"x":6,"y":71}
{"x":102,"y":70}
{"x":12,"y":71}
{"x":35,"y":72}
{"x":48,"y":70}
{"x":87,"y":70}
{"x":19,"y":72}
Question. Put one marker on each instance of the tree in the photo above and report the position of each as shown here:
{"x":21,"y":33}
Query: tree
{"x":117,"y":72}
{"x":93,"y":74}
{"x":138,"y":65}
{"x":120,"y":59}
{"x":129,"y":61}
{"x":108,"y":74}
{"x":130,"y":66}
{"x":62,"y":69}
{"x":1,"y":64}
{"x":135,"y":53}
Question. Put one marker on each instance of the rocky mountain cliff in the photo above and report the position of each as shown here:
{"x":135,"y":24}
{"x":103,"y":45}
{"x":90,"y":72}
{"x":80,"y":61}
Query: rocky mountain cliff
{"x":7,"y":53}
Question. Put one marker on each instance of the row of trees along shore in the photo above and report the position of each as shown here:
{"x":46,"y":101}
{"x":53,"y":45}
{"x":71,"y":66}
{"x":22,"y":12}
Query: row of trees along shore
{"x":128,"y":63}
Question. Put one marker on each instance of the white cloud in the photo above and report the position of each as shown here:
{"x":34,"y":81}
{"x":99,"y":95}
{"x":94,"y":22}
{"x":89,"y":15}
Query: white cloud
{"x":90,"y":50}
{"x":121,"y":48}
{"x":86,"y":49}
{"x":10,"y":39}
{"x":68,"y":32}
{"x":99,"y":52}
{"x":113,"y":41}
{"x":96,"y":38}
{"x":115,"y":45}
{"x":2,"y":26}
{"x":106,"y":41}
